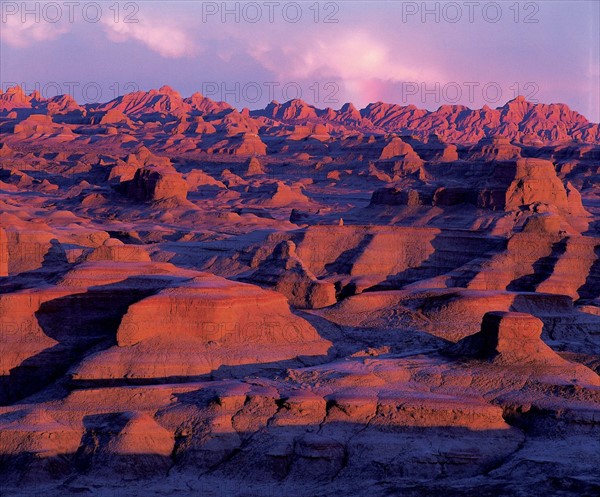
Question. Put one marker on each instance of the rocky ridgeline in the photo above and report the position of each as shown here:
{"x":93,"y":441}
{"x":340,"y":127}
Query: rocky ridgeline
{"x":517,"y":120}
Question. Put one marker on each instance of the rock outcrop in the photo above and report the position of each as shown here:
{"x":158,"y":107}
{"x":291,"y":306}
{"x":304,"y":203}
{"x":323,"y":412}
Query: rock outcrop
{"x":153,"y":183}
{"x":40,"y":124}
{"x":116,"y":251}
{"x":254,"y":167}
{"x":276,"y":194}
{"x":286,"y":273}
{"x":199,"y":326}
{"x":514,"y":339}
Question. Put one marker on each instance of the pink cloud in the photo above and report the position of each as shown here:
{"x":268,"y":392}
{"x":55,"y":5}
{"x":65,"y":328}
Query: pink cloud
{"x":159,"y":36}
{"x":356,"y":61}
{"x":21,"y":33}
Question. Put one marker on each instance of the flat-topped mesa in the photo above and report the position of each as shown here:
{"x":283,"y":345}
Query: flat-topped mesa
{"x":515,"y":339}
{"x":198,"y":326}
{"x":211,"y":309}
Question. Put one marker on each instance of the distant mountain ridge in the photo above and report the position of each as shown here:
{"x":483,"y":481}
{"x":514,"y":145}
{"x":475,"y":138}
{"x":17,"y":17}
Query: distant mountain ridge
{"x":517,"y":120}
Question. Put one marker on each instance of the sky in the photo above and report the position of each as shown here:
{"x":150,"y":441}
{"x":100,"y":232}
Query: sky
{"x":472,"y":53}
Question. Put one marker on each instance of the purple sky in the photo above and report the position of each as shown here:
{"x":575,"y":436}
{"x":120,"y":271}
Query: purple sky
{"x":460,"y":52}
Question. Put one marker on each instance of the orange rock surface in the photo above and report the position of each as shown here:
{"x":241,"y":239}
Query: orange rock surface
{"x":197,"y":299}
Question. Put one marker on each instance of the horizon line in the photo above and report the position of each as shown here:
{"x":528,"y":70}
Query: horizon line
{"x":238,"y":109}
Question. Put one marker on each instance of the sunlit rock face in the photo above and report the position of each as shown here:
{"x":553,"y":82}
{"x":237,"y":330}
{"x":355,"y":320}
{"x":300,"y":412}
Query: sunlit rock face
{"x":201,"y":300}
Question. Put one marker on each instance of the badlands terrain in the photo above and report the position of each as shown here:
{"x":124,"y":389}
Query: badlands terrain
{"x":202,"y":300}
